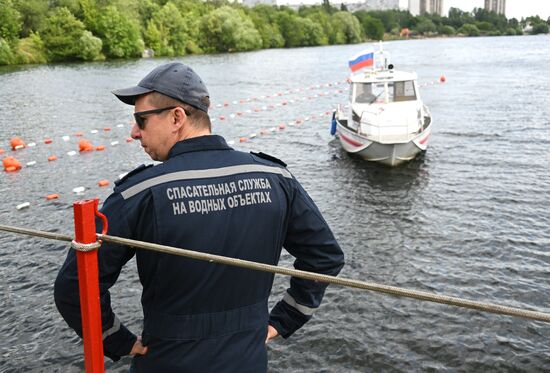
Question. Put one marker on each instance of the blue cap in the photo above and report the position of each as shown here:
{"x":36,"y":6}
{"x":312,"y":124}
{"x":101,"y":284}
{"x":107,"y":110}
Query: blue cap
{"x":175,"y":80}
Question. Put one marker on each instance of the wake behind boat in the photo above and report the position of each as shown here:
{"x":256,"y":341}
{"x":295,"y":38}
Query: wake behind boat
{"x":385,"y":120}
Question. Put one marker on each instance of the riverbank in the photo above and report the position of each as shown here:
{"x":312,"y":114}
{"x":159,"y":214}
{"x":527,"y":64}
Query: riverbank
{"x":91,"y":31}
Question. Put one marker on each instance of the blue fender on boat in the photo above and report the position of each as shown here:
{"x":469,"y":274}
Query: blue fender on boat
{"x":333,"y":124}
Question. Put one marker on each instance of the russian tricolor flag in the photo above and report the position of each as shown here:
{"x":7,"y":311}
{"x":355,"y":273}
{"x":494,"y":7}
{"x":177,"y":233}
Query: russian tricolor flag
{"x":363,"y":59}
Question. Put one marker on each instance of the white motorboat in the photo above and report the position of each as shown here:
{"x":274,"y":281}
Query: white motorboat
{"x":385,"y":120}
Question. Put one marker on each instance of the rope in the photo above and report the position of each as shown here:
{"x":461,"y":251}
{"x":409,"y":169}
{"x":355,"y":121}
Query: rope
{"x":392,"y":290}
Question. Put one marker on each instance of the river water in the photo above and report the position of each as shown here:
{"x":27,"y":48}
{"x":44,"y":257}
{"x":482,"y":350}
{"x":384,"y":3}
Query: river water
{"x":470,"y":218}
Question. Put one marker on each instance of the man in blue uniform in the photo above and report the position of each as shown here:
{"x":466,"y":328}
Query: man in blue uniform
{"x":204,"y":196}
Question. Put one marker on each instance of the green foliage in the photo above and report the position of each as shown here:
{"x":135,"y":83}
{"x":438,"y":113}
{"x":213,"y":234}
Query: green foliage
{"x":457,"y":18}
{"x":34,"y":31}
{"x":90,"y":47}
{"x":540,"y":28}
{"x":425,"y":26}
{"x":167,"y":32}
{"x":511,"y":31}
{"x":6,"y":55}
{"x":373,"y":27}
{"x":496,"y":21}
{"x":319,"y":16}
{"x":328,"y":8}
{"x":390,"y":19}
{"x":61,"y":35}
{"x":485,"y":26}
{"x":32,"y":14}
{"x":74,"y":6}
{"x":469,"y":30}
{"x":120,"y":35}
{"x":346,"y":28}
{"x":31,"y":50}
{"x":300,"y":32}
{"x":269,"y":32}
{"x":10,"y":22}
{"x":228,"y":30}
{"x":446,"y":30}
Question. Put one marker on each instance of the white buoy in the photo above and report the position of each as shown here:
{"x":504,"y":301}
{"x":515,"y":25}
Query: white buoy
{"x":23,"y":205}
{"x":114,"y":143}
{"x":71,"y":153}
{"x":231,"y":142}
{"x":252,"y":135}
{"x":79,"y":189}
{"x":31,"y":163}
{"x":120,"y":125}
{"x":31,"y":144}
{"x":66,"y":138}
{"x":94,"y":131}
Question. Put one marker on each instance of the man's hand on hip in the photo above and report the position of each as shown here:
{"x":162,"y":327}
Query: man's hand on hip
{"x":271,"y":333}
{"x":139,"y":348}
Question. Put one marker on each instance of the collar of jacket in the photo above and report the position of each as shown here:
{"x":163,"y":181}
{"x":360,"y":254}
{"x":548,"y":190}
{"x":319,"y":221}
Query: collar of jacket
{"x":201,"y":143}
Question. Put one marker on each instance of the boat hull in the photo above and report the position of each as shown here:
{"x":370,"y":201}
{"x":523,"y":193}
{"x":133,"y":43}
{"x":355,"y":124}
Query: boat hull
{"x":387,"y":154}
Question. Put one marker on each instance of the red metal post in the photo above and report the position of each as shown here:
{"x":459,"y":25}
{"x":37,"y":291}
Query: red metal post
{"x":88,"y":279}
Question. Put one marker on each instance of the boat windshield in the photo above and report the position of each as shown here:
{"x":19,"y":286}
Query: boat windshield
{"x":368,"y":93}
{"x":401,"y":91}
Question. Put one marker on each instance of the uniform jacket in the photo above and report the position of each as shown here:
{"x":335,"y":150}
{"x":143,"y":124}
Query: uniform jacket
{"x":200,"y":316}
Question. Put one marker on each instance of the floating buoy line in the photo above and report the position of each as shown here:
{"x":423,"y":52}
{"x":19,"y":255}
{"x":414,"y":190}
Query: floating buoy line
{"x":12,"y":164}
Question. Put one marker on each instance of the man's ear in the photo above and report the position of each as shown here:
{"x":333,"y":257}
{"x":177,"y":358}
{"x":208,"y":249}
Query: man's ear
{"x":179,"y":117}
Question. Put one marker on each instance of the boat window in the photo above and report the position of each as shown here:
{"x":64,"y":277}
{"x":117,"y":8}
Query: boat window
{"x":402,"y":91}
{"x":366,"y":93}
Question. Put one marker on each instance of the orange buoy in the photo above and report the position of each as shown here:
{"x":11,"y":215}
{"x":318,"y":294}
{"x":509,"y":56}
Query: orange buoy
{"x":243,"y":139}
{"x":85,"y":146}
{"x":282,"y":126}
{"x":100,"y":148}
{"x":52,"y":158}
{"x":106,"y":129}
{"x":16,"y":143}
{"x":442,"y":79}
{"x":49,"y":197}
{"x":103,"y":183}
{"x":2,"y":151}
{"x":222,"y":117}
{"x":47,"y":141}
{"x":11,"y":164}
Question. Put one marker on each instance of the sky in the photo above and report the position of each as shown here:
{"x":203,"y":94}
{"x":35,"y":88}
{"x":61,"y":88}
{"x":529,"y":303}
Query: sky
{"x":514,"y":8}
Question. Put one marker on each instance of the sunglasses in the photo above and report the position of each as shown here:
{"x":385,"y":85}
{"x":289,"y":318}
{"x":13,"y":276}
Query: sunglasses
{"x":139,"y":116}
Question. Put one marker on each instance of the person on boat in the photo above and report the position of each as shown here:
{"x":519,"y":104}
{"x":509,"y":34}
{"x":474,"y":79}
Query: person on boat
{"x":203,"y":196}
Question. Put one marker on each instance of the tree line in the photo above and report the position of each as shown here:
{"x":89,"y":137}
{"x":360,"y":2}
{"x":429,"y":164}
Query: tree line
{"x":41,"y":31}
